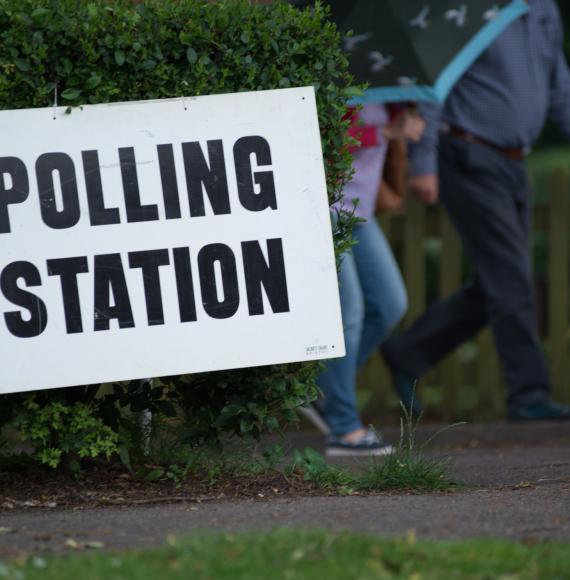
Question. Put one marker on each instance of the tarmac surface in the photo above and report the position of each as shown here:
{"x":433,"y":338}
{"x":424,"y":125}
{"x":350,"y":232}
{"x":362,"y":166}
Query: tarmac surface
{"x":515,"y":485}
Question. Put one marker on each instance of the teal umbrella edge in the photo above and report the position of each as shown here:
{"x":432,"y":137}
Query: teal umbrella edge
{"x":454,"y":70}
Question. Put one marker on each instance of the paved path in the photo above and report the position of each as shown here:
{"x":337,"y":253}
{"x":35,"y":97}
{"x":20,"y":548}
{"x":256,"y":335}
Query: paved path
{"x":512,"y":491}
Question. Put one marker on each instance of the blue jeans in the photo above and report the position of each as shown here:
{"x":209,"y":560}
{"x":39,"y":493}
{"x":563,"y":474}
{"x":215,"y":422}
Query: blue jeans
{"x":373,"y":300}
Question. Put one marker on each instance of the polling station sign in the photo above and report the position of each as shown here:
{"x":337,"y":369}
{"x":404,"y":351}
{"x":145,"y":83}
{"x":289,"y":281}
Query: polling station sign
{"x":164,"y":237}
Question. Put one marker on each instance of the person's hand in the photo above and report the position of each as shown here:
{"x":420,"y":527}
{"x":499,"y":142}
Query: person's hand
{"x":408,"y":125}
{"x":425,"y":188}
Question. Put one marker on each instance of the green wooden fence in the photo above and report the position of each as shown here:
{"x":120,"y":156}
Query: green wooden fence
{"x":469,"y":384}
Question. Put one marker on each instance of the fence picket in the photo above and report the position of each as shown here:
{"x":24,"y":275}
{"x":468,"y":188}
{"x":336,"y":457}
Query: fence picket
{"x":450,"y":281}
{"x":414,"y":259}
{"x":490,"y":387}
{"x":558,"y":286}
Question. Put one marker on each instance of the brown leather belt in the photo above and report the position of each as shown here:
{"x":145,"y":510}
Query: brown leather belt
{"x":510,"y":153}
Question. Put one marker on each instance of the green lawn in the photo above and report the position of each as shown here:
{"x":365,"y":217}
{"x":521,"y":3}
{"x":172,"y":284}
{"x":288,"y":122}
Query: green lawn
{"x":306,"y":555}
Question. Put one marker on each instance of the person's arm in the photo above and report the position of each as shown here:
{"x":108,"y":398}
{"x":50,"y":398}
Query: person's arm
{"x":388,"y":199}
{"x":407,"y":125}
{"x":403,"y":125}
{"x":423,"y":156}
{"x":559,"y":106}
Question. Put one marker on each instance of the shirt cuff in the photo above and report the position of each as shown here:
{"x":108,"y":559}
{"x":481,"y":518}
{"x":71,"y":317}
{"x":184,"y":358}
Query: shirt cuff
{"x":423,"y":164}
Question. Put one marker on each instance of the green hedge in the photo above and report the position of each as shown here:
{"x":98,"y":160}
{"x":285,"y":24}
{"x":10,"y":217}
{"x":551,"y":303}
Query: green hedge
{"x":98,"y":52}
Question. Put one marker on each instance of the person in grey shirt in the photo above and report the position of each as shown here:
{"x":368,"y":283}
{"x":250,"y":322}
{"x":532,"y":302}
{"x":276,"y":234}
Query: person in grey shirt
{"x":473,"y":157}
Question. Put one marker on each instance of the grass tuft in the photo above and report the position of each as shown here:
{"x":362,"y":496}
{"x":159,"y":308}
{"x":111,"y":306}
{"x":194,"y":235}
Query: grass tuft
{"x":405,"y":471}
{"x":408,"y":468}
{"x":399,"y":471}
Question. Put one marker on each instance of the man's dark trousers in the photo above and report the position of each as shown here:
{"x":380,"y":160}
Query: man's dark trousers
{"x":487,"y":197}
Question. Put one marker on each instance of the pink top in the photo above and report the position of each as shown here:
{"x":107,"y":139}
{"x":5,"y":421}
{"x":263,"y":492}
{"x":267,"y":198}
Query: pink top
{"x":368,"y":160}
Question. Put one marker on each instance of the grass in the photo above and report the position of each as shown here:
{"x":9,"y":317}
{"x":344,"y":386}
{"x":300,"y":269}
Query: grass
{"x":313,"y":467}
{"x":170,"y":458}
{"x":307,"y":555}
{"x":405,"y":469}
{"x":408,"y":469}
{"x":214,"y":464}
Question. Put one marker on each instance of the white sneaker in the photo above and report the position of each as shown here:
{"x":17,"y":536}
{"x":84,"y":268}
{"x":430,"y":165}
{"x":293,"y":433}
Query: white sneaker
{"x":370,"y":444}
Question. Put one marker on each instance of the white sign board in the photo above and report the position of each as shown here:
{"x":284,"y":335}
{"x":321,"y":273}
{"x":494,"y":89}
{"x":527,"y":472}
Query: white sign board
{"x":164,"y":237}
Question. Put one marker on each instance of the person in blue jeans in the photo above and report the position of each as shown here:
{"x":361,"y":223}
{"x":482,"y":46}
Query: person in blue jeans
{"x":372,"y":293}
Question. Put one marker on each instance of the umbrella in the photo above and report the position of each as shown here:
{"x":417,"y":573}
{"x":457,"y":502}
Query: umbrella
{"x":416,"y":50}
